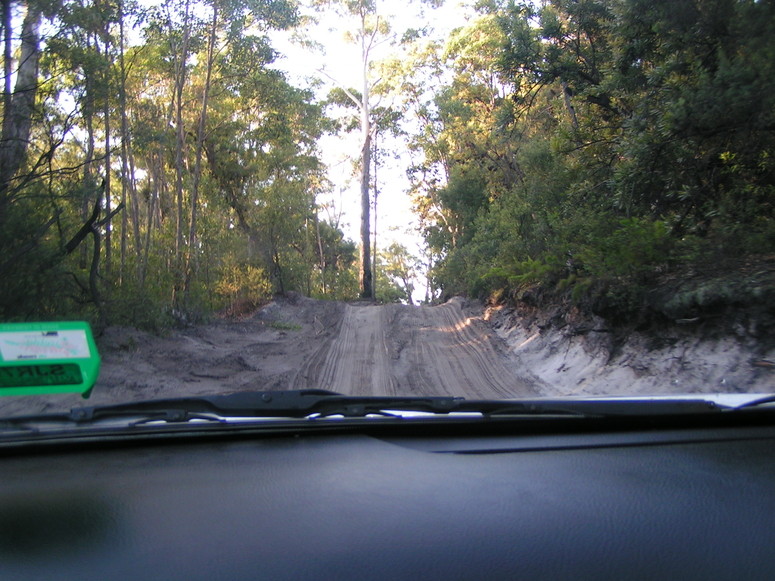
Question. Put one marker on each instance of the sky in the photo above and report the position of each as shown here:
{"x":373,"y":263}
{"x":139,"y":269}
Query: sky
{"x":395,"y":220}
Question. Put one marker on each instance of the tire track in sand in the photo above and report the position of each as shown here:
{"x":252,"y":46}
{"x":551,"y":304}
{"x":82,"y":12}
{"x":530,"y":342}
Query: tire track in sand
{"x":404,"y":350}
{"x":356,"y":361}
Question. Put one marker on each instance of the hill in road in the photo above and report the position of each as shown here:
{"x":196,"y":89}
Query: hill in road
{"x":458,"y":349}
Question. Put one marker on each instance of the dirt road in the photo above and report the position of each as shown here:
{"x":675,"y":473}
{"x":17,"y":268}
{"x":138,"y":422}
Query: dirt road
{"x":363,"y":349}
{"x":404,"y":350}
{"x":303,"y":343}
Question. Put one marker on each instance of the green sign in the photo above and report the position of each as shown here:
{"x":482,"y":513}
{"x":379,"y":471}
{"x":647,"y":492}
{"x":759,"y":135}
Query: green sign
{"x":40,"y":358}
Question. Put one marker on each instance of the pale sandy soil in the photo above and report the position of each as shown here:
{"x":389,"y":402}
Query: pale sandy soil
{"x":453,"y":349}
{"x":587,"y":359}
{"x":404,"y":350}
{"x":303,"y":343}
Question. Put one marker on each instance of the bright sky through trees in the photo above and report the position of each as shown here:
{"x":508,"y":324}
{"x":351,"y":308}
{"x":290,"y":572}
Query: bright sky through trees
{"x":335,"y":62}
{"x":163,"y":161}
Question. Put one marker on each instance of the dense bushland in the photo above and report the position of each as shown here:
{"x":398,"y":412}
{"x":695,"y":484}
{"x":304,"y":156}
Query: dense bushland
{"x":155,"y":164}
{"x":590,"y":148}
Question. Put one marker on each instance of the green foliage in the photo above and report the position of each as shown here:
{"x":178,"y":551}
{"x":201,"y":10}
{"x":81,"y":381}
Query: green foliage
{"x":341,"y":284}
{"x":584,"y":146}
{"x":243,"y":284}
{"x":387,"y":290}
{"x":521,"y":273}
{"x":396,"y":271}
{"x":636,"y":138}
{"x":145,"y":308}
{"x":335,"y":274}
{"x":633,"y":248}
{"x":208,"y":158}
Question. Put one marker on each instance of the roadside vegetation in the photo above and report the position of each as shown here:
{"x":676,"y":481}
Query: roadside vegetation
{"x":593,"y":151}
{"x":155,"y":166}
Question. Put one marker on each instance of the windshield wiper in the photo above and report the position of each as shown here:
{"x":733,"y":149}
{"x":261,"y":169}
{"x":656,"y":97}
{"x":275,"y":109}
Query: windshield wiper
{"x":271,"y":404}
{"x":319,"y":404}
{"x":297,"y":404}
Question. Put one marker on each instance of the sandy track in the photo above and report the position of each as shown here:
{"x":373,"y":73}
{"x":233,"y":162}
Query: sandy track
{"x":356,"y":360}
{"x":361,"y":349}
{"x":299,"y":343}
{"x":403,"y":350}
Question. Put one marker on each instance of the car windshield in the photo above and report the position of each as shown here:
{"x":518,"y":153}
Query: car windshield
{"x":488,"y":199}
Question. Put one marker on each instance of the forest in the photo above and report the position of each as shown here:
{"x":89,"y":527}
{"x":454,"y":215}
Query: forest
{"x":156,"y":166}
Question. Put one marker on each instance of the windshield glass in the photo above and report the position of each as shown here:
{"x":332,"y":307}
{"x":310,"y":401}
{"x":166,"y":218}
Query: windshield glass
{"x":491,"y":199}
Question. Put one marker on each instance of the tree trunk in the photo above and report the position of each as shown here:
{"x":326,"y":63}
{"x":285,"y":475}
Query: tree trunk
{"x":126,"y":178}
{"x":365,"y":272}
{"x":366,"y":278}
{"x":106,"y":114}
{"x":180,"y":143}
{"x":321,"y":254}
{"x":200,"y":138}
{"x":374,"y":233}
{"x":135,"y":203}
{"x":17,"y":120}
{"x":88,"y":177}
{"x":569,"y":107}
{"x":152,"y":209}
{"x":7,"y":54}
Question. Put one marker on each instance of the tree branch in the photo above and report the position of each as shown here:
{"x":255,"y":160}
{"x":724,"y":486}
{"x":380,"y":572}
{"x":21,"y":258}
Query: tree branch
{"x":346,"y":91}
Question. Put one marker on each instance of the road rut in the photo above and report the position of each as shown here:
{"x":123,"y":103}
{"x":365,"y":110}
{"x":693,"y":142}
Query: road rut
{"x":303,"y":343}
{"x":405,"y":350}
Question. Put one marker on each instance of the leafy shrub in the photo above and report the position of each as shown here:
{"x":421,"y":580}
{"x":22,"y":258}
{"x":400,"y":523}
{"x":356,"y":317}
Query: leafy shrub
{"x":243,"y":284}
{"x":636,"y":247}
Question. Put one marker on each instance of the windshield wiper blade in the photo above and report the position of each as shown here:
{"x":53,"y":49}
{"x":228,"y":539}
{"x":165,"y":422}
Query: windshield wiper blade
{"x":315,"y":404}
{"x":318,"y":403}
{"x":603,"y":407}
{"x":322,"y":403}
{"x":296,"y":404}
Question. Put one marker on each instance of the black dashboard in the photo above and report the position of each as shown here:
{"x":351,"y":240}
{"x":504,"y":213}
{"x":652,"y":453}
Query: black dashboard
{"x":376,"y":504}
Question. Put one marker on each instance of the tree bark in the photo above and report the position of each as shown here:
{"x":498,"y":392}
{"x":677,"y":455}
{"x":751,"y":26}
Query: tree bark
{"x":366,"y":277}
{"x":106,"y":115}
{"x":7,"y":54}
{"x":180,"y":144}
{"x":126,"y":178}
{"x":375,"y":185}
{"x":569,"y":107}
{"x":17,"y":120}
{"x":365,"y":272}
{"x":88,"y":177}
{"x":200,"y":138}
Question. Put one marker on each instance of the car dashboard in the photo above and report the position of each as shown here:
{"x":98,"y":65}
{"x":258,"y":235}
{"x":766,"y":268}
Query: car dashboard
{"x":469,"y":501}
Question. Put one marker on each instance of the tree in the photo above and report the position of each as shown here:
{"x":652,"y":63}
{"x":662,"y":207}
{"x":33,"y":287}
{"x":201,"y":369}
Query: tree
{"x":588,"y":144}
{"x":19,"y":105}
{"x":217,"y":140}
{"x":204,"y":61}
{"x":401,"y":268}
{"x":34,"y":131}
{"x":336,"y":259}
{"x":369,"y":29}
{"x":266,"y":172}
